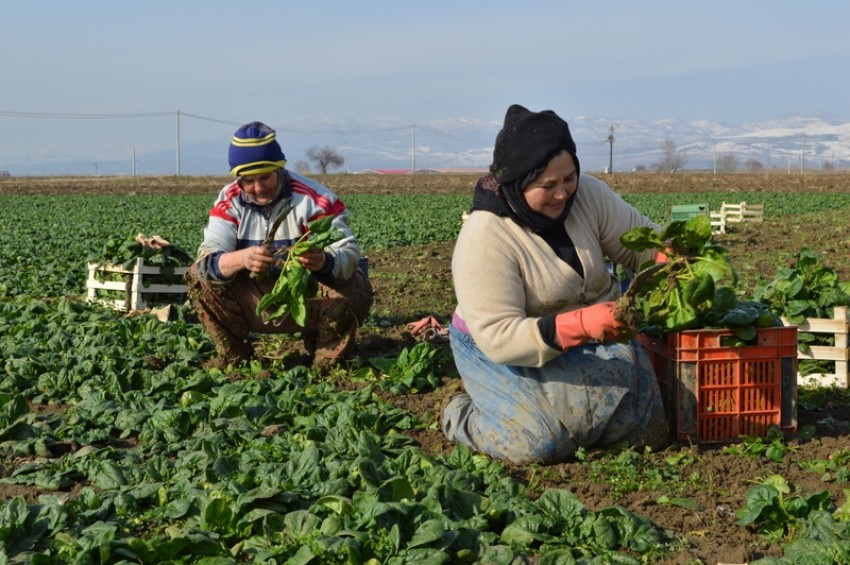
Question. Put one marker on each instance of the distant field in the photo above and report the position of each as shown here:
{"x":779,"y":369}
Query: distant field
{"x":624,"y":183}
{"x":387,"y":211}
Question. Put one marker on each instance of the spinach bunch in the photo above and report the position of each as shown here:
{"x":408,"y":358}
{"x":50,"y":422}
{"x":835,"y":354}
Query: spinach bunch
{"x":296,"y":285}
{"x":808,"y":289}
{"x":685,"y":293}
{"x":153,"y":249}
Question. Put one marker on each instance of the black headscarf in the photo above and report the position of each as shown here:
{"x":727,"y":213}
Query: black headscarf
{"x":524,"y":147}
{"x":527,"y":141}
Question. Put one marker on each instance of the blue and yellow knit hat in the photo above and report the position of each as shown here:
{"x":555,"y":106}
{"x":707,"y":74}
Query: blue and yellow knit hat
{"x":254,"y":150}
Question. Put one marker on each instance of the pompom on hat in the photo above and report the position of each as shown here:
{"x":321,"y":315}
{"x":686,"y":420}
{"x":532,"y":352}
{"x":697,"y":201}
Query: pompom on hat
{"x":254,"y":150}
{"x":527,"y":141}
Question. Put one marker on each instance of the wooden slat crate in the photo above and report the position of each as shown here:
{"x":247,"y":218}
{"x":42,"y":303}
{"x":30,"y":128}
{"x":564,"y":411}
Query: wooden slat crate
{"x":718,"y":222}
{"x":838,"y":325}
{"x":132,"y":285}
{"x":742,"y":212}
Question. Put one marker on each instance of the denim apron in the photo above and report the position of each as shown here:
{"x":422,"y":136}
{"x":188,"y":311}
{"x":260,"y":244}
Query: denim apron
{"x":592,"y":395}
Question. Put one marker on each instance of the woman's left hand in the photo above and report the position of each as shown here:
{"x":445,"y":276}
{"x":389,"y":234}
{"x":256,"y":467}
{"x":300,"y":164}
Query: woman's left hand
{"x":312,"y":259}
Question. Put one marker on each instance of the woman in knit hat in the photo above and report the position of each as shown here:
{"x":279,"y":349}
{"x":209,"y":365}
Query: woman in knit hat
{"x":224,"y":285}
{"x":534,"y":334}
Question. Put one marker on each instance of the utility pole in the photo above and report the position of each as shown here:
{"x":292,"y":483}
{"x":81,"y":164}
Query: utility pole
{"x":610,"y":149}
{"x":413,"y":151}
{"x":803,"y":154}
{"x":178,"y":143}
{"x":715,"y":159}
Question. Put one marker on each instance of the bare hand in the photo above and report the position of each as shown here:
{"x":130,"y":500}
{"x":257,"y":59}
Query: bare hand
{"x":312,"y":259}
{"x":257,"y":259}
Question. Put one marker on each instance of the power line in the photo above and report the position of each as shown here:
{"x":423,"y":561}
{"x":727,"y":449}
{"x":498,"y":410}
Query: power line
{"x":284,"y":129}
{"x":210,"y":119}
{"x":313,"y":132}
{"x":60,"y":116}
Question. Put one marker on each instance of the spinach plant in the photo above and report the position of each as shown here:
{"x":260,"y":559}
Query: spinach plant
{"x":774,"y":511}
{"x":413,"y":371}
{"x":153,"y":249}
{"x":772,"y":445}
{"x":685,"y":292}
{"x":296,"y":285}
{"x":808,"y":289}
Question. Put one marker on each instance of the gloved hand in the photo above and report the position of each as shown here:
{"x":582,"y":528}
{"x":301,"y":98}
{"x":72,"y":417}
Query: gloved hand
{"x":661,"y":257}
{"x":591,"y":322}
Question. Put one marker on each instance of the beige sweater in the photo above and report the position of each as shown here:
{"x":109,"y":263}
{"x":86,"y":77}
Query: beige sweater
{"x":506,"y":277}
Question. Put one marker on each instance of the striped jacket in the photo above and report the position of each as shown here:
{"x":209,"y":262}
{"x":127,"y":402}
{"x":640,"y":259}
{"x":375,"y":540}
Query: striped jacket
{"x":235,"y":223}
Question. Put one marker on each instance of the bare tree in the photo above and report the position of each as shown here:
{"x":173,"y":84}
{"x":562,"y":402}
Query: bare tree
{"x":753,"y":165}
{"x":672,"y":159}
{"x":727,"y":163}
{"x":302,"y":167}
{"x":324,"y":157}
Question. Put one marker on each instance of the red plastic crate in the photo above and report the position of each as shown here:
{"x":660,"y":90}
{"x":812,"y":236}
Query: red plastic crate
{"x":715,"y":394}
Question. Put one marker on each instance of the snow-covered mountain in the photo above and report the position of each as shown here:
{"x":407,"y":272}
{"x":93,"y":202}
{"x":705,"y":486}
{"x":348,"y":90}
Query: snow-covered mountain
{"x":782,"y":142}
{"x":813,"y":142}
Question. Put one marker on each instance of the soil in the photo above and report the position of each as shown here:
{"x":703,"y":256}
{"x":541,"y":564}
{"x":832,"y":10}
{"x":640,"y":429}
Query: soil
{"x":413,"y":282}
{"x":712,"y":534}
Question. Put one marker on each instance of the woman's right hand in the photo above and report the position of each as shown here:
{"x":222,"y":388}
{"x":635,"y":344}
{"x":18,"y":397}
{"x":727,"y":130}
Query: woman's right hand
{"x":596,"y":322}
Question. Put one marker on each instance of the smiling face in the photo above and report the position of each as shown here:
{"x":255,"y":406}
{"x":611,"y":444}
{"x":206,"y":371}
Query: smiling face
{"x":260,"y":188}
{"x":549,"y":192}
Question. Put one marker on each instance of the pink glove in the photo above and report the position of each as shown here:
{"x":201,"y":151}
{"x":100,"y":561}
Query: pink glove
{"x":661,"y":256}
{"x":596,"y":322}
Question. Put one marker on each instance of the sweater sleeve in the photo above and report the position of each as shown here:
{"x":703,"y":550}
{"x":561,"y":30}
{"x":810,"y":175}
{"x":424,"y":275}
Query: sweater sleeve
{"x":616,"y":217}
{"x":510,"y":284}
{"x":487,"y":272}
{"x":220,"y":236}
{"x":345,"y":253}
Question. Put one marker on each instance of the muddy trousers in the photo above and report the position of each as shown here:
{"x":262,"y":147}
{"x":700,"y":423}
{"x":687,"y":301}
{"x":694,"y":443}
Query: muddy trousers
{"x":591,"y":395}
{"x":228,"y":314}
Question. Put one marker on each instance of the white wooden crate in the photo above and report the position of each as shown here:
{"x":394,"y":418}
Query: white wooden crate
{"x":839,"y":353}
{"x":718,"y":222}
{"x":132,"y":285}
{"x":742,"y":212}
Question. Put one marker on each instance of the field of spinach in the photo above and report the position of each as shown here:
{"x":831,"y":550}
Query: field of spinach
{"x":116,"y":446}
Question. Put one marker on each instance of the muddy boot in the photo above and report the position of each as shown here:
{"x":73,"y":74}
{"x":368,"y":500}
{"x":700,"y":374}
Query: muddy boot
{"x":333,"y":319}
{"x":229,"y":349}
{"x":335,"y":338}
{"x":215,"y":312}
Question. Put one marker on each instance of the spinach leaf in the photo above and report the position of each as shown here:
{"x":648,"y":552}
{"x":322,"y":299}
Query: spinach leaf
{"x":296,"y":285}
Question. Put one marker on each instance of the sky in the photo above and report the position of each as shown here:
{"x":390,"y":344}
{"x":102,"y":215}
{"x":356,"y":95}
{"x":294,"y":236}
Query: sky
{"x":103,"y":79}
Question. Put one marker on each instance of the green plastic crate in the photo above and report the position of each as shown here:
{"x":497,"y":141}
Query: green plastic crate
{"x":688,"y":211}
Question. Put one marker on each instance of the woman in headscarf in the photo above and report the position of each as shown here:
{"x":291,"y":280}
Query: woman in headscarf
{"x":535,"y":338}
